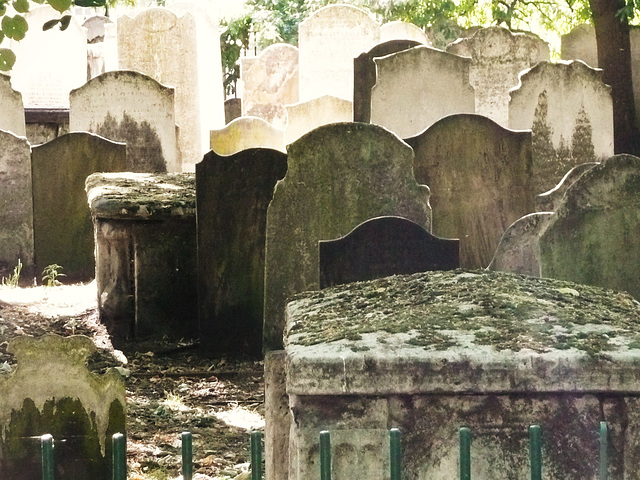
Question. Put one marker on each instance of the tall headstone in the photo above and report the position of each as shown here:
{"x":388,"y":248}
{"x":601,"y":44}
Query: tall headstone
{"x":329,"y":40}
{"x":270,"y":81}
{"x":305,"y":116}
{"x":244,"y":133}
{"x":133,"y":108}
{"x":49,"y":63}
{"x":417,"y":87}
{"x":233,"y":193}
{"x":338,"y":176}
{"x":62,"y":228}
{"x":480,"y":178}
{"x":95,"y":27}
{"x":364,"y":75}
{"x":570,"y":111}
{"x":399,"y":30}
{"x":497,"y":58}
{"x":12,"y":111}
{"x":16,"y":207}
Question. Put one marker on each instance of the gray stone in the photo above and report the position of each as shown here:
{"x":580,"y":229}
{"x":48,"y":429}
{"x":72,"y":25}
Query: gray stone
{"x":12,"y":113}
{"x":244,"y":133}
{"x":399,"y":30}
{"x":549,"y":201}
{"x":277,"y":424}
{"x":232,"y":109}
{"x":305,"y":116}
{"x":580,"y":44}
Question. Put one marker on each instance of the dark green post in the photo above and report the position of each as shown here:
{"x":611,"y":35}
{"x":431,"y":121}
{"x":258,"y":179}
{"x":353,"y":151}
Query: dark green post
{"x":535,"y":452}
{"x":604,"y":451}
{"x":256,"y":456}
{"x":119,"y":457}
{"x":395,"y":453}
{"x":46,"y":448}
{"x":187,"y":455}
{"x":325,"y":456}
{"x":465,"y":454}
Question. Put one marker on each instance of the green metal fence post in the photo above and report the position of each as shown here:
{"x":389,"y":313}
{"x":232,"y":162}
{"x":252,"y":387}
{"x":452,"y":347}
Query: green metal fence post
{"x":325,"y":455}
{"x":119,"y":456}
{"x":535,"y":452}
{"x":465,"y":454}
{"x":256,"y":456}
{"x":604,"y":451}
{"x":46,"y":449}
{"x":187,"y":455}
{"x":395,"y":453}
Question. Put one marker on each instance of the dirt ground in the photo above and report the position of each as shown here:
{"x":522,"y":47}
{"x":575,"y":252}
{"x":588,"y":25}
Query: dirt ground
{"x":171,"y":387}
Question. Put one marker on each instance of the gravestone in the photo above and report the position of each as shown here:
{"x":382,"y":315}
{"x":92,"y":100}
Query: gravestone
{"x":338,"y":176}
{"x":399,"y":30}
{"x":12,"y":111}
{"x":497,"y":58}
{"x":16,"y":207}
{"x":364,"y":75}
{"x":417,"y":87}
{"x":480,"y":177}
{"x":305,"y":116}
{"x":570,"y":111}
{"x":270,"y":81}
{"x":62,"y":228}
{"x":329,"y":40}
{"x":130,"y":107}
{"x":580,"y":44}
{"x":550,"y":200}
{"x":95,"y":28}
{"x":49,"y":63}
{"x":110,"y":47}
{"x":233,"y":193}
{"x":232,"y":109}
{"x":244,"y":133}
{"x":381,"y":247}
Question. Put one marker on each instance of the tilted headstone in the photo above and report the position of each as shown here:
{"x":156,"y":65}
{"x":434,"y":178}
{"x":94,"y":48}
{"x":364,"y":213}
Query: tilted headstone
{"x":244,"y":133}
{"x":338,"y":176}
{"x":16,"y":207}
{"x":12,"y":111}
{"x":62,"y":228}
{"x":497,"y":58}
{"x":399,"y":30}
{"x":417,"y":87}
{"x":49,"y":63}
{"x":570,"y":111}
{"x":364,"y":75}
{"x":329,"y":40}
{"x":381,"y":247}
{"x":305,"y":116}
{"x":233,"y":193}
{"x":52,"y":391}
{"x":270,"y":81}
{"x":130,"y":107}
{"x":480,"y":178}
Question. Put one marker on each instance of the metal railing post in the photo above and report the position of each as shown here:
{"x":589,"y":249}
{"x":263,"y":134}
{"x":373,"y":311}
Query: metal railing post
{"x":256,"y":456}
{"x":604,"y":451}
{"x":395,"y":454}
{"x":465,"y":453}
{"x":535,"y":452}
{"x":187,"y":455}
{"x":325,"y":455}
{"x":46,"y":449}
{"x":119,"y":456}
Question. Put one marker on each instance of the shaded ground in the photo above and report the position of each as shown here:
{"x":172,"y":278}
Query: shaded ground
{"x":171,"y":387}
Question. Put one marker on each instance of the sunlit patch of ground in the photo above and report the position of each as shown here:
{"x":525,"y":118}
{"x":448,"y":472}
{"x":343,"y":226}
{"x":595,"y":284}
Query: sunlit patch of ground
{"x":63,"y":300}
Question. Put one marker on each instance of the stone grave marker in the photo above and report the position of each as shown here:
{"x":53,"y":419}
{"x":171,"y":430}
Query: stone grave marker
{"x":570,"y":111}
{"x":110,"y":47}
{"x":233,"y":193}
{"x":550,"y":200}
{"x":16,"y":207}
{"x":62,"y":228}
{"x":329,"y":40}
{"x":232,"y":109}
{"x":305,"y":116}
{"x":399,"y":30}
{"x":244,"y":133}
{"x":49,"y":63}
{"x":381,"y":247}
{"x":338,"y":176}
{"x":130,"y":107}
{"x":364,"y":75}
{"x":95,"y":27}
{"x":480,"y":177}
{"x":270,"y":81}
{"x":497,"y":58}
{"x":417,"y":87}
{"x":580,"y":44}
{"x":12,"y":111}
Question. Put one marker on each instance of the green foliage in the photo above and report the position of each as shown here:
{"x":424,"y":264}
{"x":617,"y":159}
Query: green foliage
{"x":50,"y":275}
{"x":14,"y":278}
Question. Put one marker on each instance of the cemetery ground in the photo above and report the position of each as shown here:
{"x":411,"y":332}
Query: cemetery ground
{"x":171,"y":387}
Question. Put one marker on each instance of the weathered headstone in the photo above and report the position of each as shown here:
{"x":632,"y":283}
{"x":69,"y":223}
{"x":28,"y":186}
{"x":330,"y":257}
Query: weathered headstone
{"x":417,"y":87}
{"x":480,"y":177}
{"x":232,"y":109}
{"x":110,"y":44}
{"x":338,"y":176}
{"x":381,"y":247}
{"x":580,"y":44}
{"x":16,"y":207}
{"x":233,"y":193}
{"x":570,"y":111}
{"x":399,"y":30}
{"x":95,"y":27}
{"x":270,"y":81}
{"x":550,"y":200}
{"x":329,"y":40}
{"x":244,"y":133}
{"x":12,"y":111}
{"x":49,"y":63}
{"x":497,"y":58}
{"x":62,"y":228}
{"x":364,"y":75}
{"x":305,"y":116}
{"x":133,"y":108}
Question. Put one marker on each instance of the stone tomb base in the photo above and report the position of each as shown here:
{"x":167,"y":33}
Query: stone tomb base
{"x":430,"y":353}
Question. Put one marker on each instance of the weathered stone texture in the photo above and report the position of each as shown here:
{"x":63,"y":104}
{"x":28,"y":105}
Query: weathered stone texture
{"x":244,"y":133}
{"x":399,"y":30}
{"x":306,"y":116}
{"x":12,"y":111}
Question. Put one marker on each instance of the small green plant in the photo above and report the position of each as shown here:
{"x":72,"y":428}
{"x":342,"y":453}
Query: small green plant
{"x":14,"y":278}
{"x":50,"y":275}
